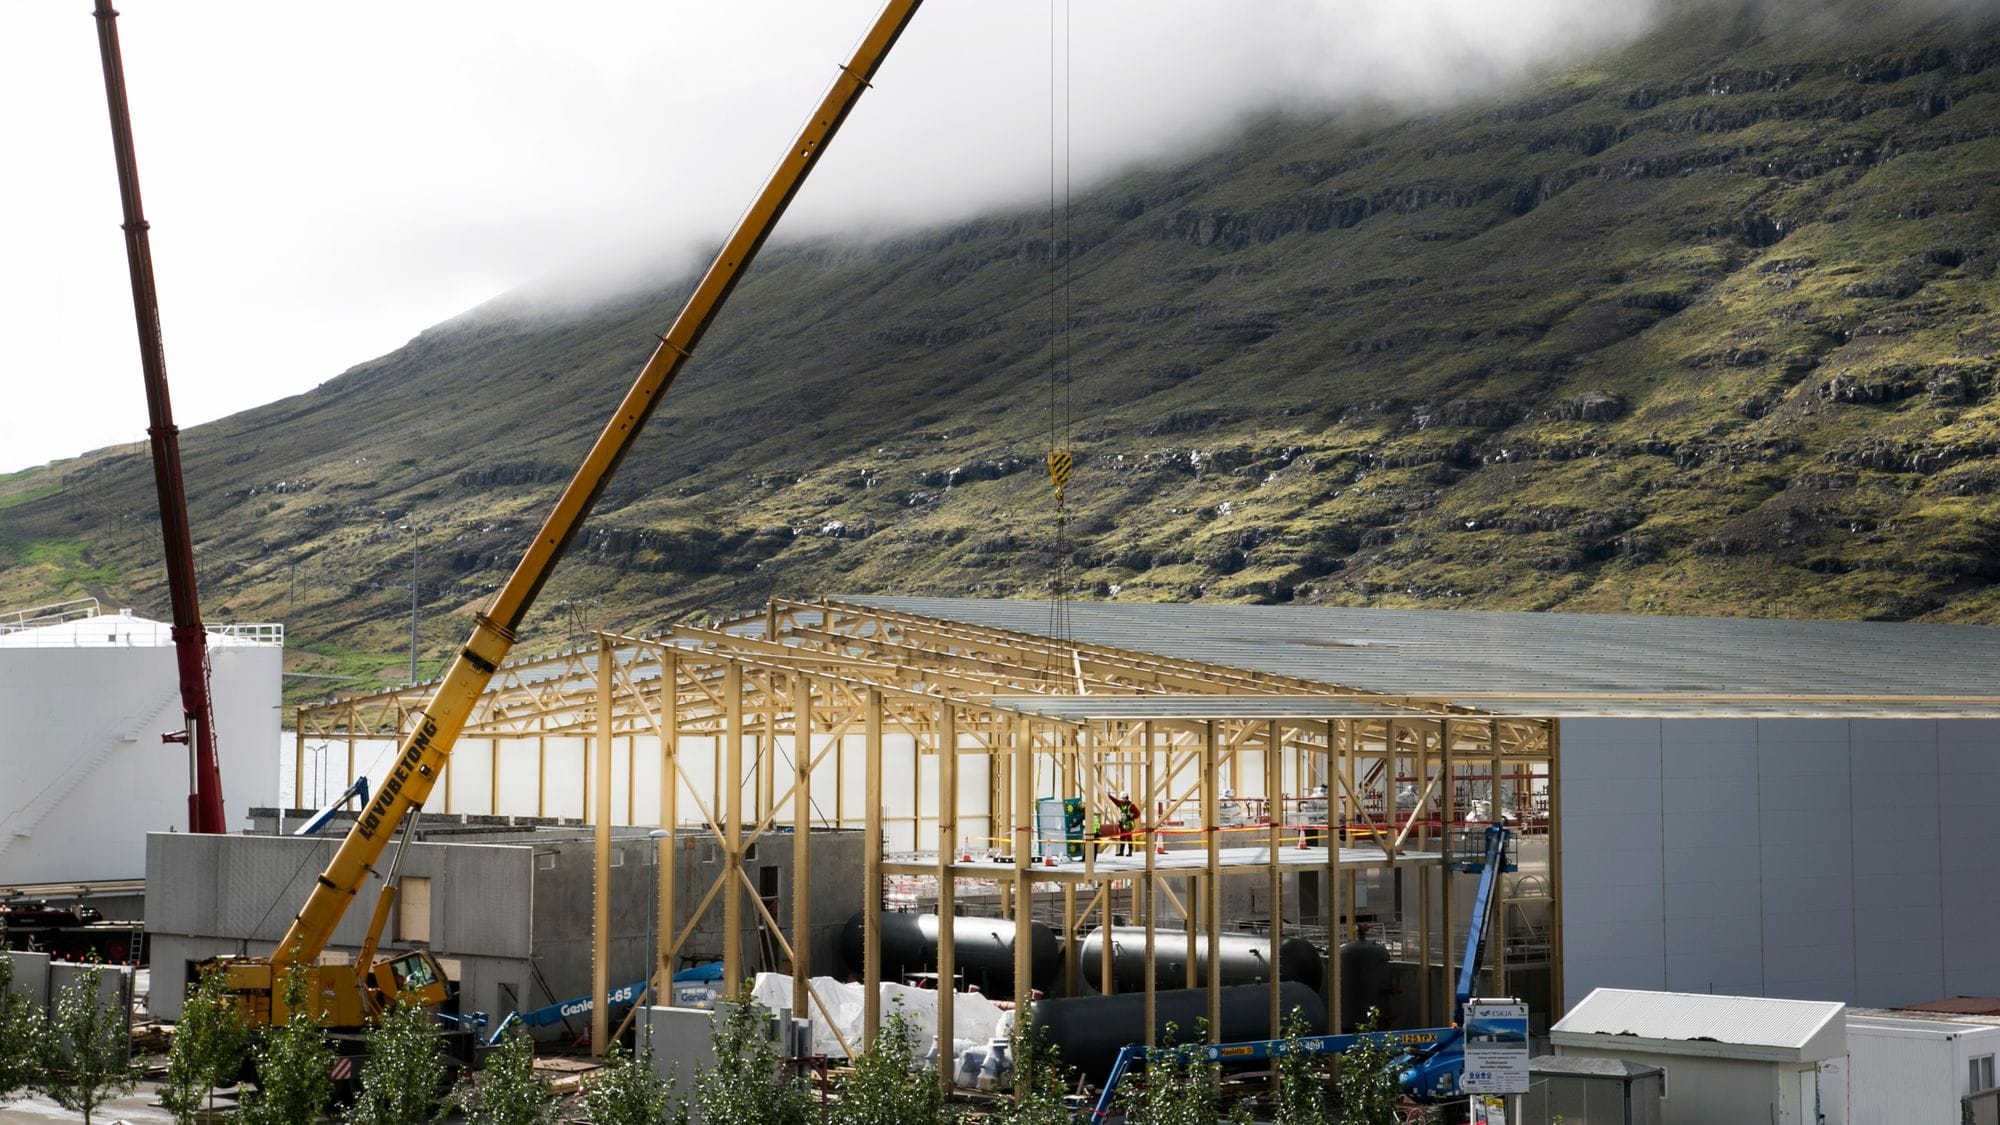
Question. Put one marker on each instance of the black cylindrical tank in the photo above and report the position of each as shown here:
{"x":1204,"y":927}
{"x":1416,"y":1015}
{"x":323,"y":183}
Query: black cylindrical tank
{"x":1246,"y":959}
{"x":983,"y":948}
{"x":1364,"y":981}
{"x":1087,"y":1031}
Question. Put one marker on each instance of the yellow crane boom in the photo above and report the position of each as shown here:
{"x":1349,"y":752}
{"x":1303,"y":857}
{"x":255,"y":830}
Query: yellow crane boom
{"x":422,"y":754}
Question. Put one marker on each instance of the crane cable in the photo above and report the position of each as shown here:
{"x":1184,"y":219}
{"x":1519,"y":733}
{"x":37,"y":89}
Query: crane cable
{"x":1061,"y":461}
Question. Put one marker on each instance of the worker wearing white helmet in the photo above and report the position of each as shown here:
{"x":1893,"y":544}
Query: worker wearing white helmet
{"x":1231,"y":814}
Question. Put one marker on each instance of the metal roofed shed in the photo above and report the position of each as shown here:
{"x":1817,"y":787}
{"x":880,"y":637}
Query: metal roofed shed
{"x":1593,"y":1090}
{"x":1725,"y":1058}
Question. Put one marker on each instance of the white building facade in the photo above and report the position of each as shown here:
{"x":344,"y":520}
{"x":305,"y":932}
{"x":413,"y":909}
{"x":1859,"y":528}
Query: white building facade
{"x":84,"y":774}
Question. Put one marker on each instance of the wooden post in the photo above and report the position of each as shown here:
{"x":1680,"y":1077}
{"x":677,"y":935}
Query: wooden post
{"x":1069,"y":942}
{"x":666,"y":858}
{"x":947,"y":990}
{"x":732,"y":829}
{"x":1424,"y":989}
{"x":1557,"y":999}
{"x":801,"y":844}
{"x":871,"y":878}
{"x":1022,"y":737}
{"x":1335,"y":754}
{"x":600,"y":946}
{"x":1148,"y":841}
{"x":1449,"y":814}
{"x":1211,"y":811}
{"x":1066,"y":771}
{"x":1496,"y":914}
{"x":1273,"y":765}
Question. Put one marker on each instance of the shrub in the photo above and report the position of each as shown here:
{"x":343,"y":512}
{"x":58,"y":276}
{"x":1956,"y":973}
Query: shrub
{"x":1039,"y":1082}
{"x":405,"y":1071}
{"x":294,"y":1064}
{"x":1181,"y":1087}
{"x":746,"y":1085}
{"x":883,"y":1089}
{"x":20,"y":1032}
{"x":508,"y":1093}
{"x":208,"y":1048}
{"x":1365,"y":1080}
{"x":1301,"y":1079}
{"x":627,"y":1092}
{"x":85,"y":1056}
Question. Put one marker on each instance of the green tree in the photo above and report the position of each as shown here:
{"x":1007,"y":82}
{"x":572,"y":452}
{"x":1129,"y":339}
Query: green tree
{"x":627,"y":1092}
{"x":746,"y":1086}
{"x":883,"y":1089}
{"x":1364,"y":1078}
{"x":1301,"y":1079}
{"x":294,"y":1064}
{"x":86,"y":1054}
{"x":1181,"y":1088}
{"x":405,"y":1071}
{"x":208,"y":1048}
{"x":20,"y":1030}
{"x":508,"y":1093}
{"x":1039,"y":1080}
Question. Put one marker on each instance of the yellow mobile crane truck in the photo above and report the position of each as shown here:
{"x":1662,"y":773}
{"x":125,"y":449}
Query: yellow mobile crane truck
{"x":349,"y":996}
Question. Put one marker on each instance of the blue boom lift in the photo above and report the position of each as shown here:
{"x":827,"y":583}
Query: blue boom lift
{"x":1431,"y":1059}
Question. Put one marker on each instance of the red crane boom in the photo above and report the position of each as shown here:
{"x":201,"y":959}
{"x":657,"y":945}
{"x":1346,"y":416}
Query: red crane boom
{"x":190,"y":639}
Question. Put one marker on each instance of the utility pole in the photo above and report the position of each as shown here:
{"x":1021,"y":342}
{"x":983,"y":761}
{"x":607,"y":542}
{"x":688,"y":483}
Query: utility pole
{"x":413,"y":602}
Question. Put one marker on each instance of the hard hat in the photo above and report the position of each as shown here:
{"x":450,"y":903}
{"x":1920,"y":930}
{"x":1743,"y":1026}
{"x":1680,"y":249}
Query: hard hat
{"x":1121,"y":795}
{"x":1319,"y":790}
{"x":1228,"y":794}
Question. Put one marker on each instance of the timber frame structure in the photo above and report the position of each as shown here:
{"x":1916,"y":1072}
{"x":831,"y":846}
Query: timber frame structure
{"x":936,"y":738}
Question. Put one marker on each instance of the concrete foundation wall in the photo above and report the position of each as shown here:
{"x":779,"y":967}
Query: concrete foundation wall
{"x":512,"y":917}
{"x":1847,"y":860}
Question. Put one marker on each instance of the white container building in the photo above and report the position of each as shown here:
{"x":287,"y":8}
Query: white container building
{"x":84,"y":775}
{"x":1909,"y":1066}
{"x":1725,"y":1058}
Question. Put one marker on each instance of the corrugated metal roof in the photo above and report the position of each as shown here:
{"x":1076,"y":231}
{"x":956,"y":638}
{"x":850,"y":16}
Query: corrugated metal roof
{"x":1749,"y":1021}
{"x":1959,"y":1005}
{"x":1557,"y":664}
{"x":1133,"y":708}
{"x":1590,"y":1067}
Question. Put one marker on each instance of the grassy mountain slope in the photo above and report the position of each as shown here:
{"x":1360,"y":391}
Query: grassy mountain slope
{"x":1706,"y":326}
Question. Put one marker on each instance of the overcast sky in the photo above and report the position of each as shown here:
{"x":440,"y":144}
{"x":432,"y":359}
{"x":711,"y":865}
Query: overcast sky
{"x":325,"y":181}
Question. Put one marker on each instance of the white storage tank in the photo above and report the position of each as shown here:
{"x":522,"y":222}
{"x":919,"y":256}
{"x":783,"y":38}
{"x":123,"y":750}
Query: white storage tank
{"x":84,"y":699}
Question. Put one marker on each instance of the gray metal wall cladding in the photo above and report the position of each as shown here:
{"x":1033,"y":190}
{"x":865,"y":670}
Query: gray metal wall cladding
{"x":238,"y":886}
